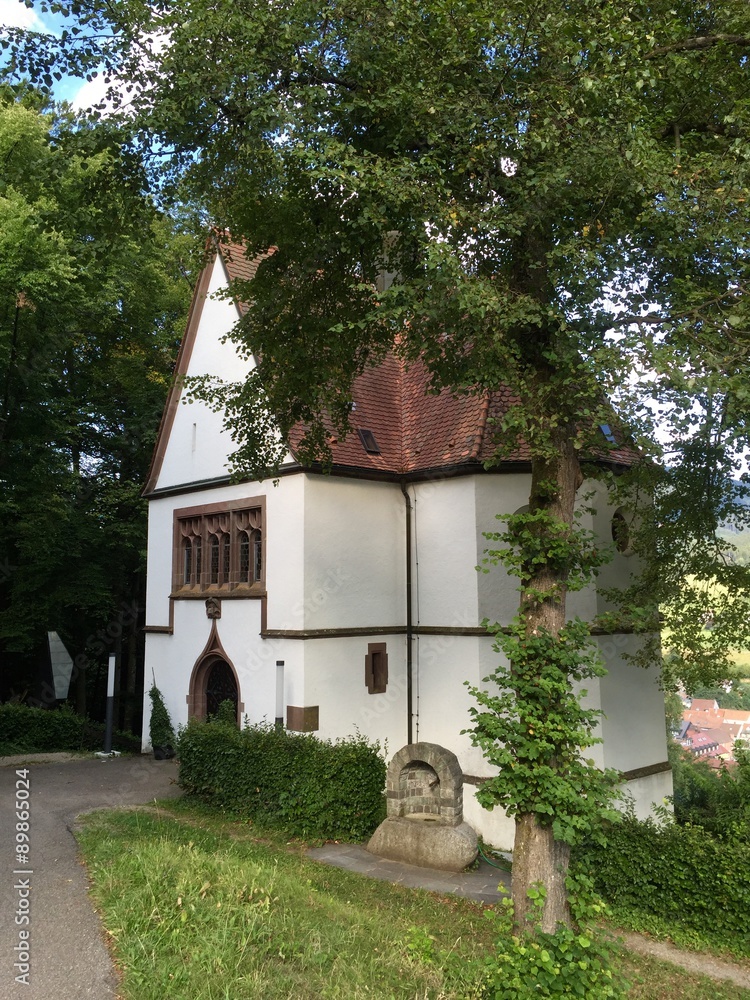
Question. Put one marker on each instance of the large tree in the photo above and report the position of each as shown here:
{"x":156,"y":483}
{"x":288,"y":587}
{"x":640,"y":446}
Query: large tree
{"x":91,"y":305}
{"x":562,"y":192}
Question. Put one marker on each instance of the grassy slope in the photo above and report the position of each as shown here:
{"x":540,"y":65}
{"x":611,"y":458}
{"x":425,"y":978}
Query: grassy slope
{"x":198,"y":908}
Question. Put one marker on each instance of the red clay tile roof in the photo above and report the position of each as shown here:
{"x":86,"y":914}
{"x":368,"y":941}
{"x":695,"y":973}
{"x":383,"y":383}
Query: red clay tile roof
{"x":239,"y":266}
{"x":736,"y":714}
{"x":704,"y":719}
{"x":703,"y":705}
{"x":416,"y":431}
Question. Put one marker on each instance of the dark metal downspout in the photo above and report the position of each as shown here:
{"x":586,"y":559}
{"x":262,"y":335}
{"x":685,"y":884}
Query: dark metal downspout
{"x":409,"y":626}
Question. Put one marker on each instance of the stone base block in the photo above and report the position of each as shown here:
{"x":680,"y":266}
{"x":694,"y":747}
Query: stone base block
{"x":425,"y":841}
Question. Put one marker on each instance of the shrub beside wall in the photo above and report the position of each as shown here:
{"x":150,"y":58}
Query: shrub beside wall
{"x":675,"y":880}
{"x":310,"y":787}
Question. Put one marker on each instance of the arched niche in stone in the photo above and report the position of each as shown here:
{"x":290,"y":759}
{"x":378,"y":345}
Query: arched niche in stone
{"x":426,"y":779}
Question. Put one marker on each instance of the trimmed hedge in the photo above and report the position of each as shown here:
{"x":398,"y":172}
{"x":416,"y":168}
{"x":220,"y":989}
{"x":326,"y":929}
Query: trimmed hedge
{"x":44,"y":730}
{"x":39,"y":730}
{"x":309,"y":787}
{"x":676,"y":880}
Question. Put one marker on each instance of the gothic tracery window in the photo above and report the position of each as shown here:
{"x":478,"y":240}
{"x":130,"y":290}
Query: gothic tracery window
{"x":232,"y":539}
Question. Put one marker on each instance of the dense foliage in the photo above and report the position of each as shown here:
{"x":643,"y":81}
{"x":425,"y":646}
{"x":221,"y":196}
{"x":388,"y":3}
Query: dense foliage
{"x":24,"y":729}
{"x":161,"y":731}
{"x":687,"y":876}
{"x":566,"y":963}
{"x":534,"y":963}
{"x":674,"y":880}
{"x":310,"y":787}
{"x":716,"y":800}
{"x":92,"y":300}
{"x":562,"y":193}
{"x":38,"y":730}
{"x":738,"y":695}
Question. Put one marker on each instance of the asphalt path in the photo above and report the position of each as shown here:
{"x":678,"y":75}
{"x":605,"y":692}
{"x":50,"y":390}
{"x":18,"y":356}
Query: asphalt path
{"x":50,"y":935}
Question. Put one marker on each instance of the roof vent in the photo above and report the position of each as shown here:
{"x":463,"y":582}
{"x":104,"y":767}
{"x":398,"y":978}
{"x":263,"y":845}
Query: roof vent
{"x":368,"y":441}
{"x":607,"y":432}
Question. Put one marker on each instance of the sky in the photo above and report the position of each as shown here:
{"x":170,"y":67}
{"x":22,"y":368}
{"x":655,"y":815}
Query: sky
{"x":80,"y":93}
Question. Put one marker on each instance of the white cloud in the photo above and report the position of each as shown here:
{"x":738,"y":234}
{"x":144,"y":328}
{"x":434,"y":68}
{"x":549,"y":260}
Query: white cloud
{"x":15,"y":14}
{"x":94,"y":92}
{"x":90,"y":93}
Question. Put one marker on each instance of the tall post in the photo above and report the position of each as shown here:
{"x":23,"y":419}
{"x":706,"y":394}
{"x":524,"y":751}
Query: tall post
{"x":110,"y":704}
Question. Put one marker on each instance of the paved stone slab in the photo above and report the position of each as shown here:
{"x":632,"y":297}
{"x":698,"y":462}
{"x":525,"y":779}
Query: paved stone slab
{"x":69,"y":959}
{"x":480,"y":884}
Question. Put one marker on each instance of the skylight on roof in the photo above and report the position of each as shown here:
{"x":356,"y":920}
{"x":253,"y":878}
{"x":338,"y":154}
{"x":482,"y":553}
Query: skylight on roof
{"x":607,"y":432}
{"x":368,"y":441}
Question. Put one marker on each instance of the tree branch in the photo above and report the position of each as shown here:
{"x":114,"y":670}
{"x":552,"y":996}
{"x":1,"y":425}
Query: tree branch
{"x":698,"y":43}
{"x":658,"y":319}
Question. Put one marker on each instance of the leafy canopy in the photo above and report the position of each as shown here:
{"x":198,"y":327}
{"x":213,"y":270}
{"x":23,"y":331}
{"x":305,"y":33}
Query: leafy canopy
{"x":562,"y":191}
{"x":538,"y":175}
{"x":91,"y":307}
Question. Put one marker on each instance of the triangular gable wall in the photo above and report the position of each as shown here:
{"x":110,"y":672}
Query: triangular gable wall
{"x":192,"y":445}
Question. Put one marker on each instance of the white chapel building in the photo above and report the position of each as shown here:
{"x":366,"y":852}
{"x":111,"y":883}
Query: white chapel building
{"x":350,"y":601}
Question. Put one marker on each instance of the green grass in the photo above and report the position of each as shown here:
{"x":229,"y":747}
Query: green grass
{"x":742,"y":662}
{"x":195,"y":912}
{"x":654,"y":980}
{"x":197,"y":907}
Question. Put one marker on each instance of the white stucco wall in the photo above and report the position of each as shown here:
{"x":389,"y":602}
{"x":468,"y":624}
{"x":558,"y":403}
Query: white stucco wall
{"x":497,"y":494}
{"x":198,"y":445}
{"x":285,"y":541}
{"x":633,"y":725}
{"x":444,"y":533}
{"x":335,"y":681}
{"x":335,"y":559}
{"x":442,"y":665}
{"x":159,"y":562}
{"x":354,"y":554}
{"x":645,"y":793}
{"x":493,"y":826}
{"x":173,"y":657}
{"x":498,"y":830}
{"x":498,"y":594}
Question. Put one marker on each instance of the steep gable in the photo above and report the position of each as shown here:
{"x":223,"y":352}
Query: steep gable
{"x":192,"y":445}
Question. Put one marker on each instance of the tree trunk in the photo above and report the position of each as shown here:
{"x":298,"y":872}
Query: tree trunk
{"x":80,"y":690}
{"x":538,"y":857}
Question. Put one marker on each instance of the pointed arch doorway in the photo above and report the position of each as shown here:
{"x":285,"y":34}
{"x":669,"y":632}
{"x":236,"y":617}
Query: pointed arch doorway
{"x":213,"y":681}
{"x":221,"y":685}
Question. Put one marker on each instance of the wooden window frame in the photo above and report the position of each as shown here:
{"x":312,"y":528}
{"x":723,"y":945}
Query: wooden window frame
{"x":215,"y":563}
